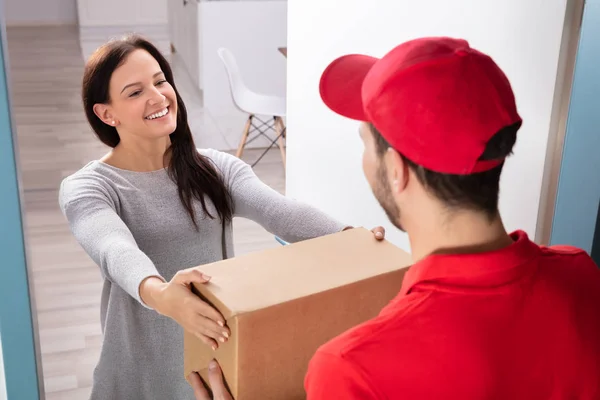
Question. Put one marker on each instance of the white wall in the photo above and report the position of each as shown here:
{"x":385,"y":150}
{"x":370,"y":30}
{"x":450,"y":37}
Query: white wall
{"x":184,"y":21}
{"x":324,"y":150}
{"x":40,"y":12}
{"x":253,"y":31}
{"x":100,"y":21}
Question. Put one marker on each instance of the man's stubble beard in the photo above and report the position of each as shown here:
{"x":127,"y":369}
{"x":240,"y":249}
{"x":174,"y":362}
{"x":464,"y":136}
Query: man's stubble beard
{"x":383,"y":194}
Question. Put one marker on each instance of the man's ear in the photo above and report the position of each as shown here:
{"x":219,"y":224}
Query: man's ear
{"x":105,"y":114}
{"x":397,"y":169}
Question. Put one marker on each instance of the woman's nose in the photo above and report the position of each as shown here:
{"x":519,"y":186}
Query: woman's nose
{"x":157,"y":97}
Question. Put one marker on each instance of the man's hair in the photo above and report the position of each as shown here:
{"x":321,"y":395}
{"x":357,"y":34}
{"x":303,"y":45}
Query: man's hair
{"x":479,"y":191}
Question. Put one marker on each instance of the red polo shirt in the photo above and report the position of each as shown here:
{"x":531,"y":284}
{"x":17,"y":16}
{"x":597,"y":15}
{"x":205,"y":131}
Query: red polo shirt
{"x":522,"y":322}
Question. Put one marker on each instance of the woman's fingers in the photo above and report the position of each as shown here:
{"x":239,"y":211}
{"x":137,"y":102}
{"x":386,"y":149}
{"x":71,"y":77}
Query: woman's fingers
{"x":206,"y":327}
{"x":190,"y":275}
{"x":178,"y":302}
{"x":207,"y":341}
{"x":209,"y":312}
{"x":206,"y":316}
{"x":201,"y":323}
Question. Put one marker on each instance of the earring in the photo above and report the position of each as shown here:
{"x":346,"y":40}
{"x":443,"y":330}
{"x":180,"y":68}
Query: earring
{"x":113,"y":122}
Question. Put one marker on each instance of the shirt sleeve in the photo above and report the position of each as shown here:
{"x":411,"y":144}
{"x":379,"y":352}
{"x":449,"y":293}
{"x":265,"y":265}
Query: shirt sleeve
{"x":97,"y":227}
{"x":331,"y":377}
{"x":291,"y":220}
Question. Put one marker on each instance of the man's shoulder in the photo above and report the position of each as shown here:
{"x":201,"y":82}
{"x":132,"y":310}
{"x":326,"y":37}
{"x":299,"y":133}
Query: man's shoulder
{"x":569,"y":259}
{"x":562,"y":250}
{"x":365,"y":360}
{"x":338,"y":368}
{"x":376,"y":338}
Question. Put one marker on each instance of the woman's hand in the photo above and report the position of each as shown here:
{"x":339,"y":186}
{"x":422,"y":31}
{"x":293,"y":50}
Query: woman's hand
{"x":379,"y":232}
{"x":176,"y":301}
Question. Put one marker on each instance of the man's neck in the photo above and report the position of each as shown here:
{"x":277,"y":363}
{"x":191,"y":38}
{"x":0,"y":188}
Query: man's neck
{"x":459,"y":233}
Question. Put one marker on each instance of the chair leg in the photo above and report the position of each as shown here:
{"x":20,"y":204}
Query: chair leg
{"x":280,"y":132}
{"x":240,"y":149}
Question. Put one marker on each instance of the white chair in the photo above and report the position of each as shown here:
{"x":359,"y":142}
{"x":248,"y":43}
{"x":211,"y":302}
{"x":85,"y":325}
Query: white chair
{"x":255,"y":104}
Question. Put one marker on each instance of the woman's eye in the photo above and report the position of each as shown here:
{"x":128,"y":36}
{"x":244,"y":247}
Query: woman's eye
{"x":135,"y":93}
{"x":161,"y":82}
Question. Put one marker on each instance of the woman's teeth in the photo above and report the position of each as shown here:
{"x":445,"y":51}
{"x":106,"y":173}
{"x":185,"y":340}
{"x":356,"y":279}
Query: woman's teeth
{"x":158,"y":114}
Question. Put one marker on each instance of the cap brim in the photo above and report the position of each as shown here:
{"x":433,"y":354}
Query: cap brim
{"x":341,"y":85}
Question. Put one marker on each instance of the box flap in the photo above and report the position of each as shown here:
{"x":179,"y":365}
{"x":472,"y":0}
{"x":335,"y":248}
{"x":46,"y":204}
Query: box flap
{"x":259,"y":280}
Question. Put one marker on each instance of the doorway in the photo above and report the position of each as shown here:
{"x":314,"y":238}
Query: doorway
{"x":18,"y":333}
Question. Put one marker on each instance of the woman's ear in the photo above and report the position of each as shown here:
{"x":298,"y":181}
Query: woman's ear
{"x":103,"y":112}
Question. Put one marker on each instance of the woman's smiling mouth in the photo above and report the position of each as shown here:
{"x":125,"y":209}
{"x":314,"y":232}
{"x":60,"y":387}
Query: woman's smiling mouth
{"x":159,"y":114}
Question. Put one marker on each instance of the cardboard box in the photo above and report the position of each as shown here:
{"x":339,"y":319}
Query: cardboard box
{"x":282,"y":304}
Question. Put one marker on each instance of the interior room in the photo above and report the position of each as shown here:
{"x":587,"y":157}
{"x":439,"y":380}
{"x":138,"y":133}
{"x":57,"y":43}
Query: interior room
{"x":248,"y":72}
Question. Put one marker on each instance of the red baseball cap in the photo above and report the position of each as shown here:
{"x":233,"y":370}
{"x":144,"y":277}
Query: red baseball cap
{"x":435,"y":100}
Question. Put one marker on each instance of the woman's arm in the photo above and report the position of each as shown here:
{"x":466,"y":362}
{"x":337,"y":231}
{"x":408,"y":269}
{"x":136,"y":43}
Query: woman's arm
{"x":287,"y":218}
{"x":92,"y":217}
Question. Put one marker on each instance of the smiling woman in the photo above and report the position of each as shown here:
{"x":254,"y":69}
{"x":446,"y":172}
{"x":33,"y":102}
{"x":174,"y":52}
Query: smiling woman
{"x":139,"y":109}
{"x":150,"y":212}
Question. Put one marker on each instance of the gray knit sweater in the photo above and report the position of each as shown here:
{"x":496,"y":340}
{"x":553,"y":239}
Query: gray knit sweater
{"x":133,"y":225}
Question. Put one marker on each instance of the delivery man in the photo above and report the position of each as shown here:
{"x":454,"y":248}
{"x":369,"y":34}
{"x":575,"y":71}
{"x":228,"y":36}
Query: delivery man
{"x":482,"y":314}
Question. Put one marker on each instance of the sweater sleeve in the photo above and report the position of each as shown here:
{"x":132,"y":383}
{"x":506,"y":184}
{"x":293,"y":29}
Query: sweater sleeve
{"x":291,"y":220}
{"x":93,"y":220}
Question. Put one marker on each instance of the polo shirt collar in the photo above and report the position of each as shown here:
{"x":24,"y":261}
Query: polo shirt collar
{"x":466,"y":272}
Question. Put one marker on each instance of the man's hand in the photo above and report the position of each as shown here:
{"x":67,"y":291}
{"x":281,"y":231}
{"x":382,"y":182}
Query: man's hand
{"x":215,"y":379}
{"x":378,"y":232}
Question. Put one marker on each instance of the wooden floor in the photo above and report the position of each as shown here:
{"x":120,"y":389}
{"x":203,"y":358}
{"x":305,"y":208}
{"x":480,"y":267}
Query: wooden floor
{"x":54,"y":141}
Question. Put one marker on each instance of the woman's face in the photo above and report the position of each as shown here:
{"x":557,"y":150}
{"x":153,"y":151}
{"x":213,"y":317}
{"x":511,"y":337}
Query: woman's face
{"x":142,"y":103}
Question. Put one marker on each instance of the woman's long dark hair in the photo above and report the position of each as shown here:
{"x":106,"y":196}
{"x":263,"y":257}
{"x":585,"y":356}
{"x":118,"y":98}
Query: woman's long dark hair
{"x":194,"y":174}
